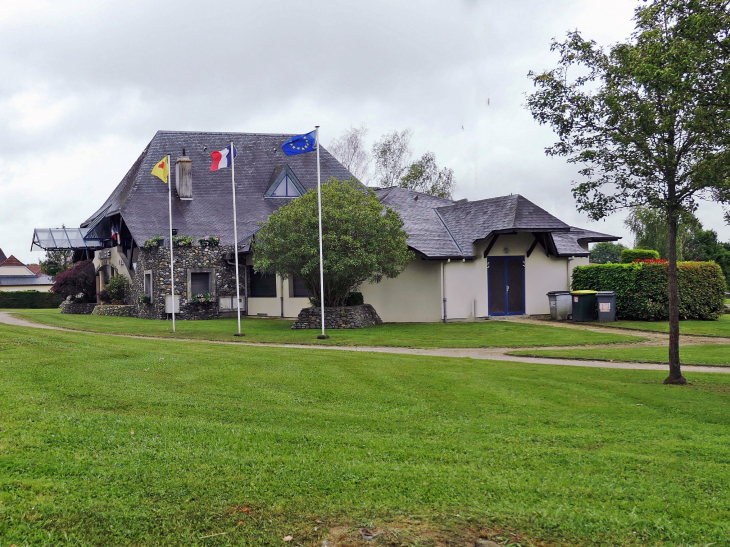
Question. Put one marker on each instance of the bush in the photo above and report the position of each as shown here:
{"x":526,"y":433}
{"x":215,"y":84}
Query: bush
{"x":78,"y":280}
{"x":29,"y":300}
{"x":642,"y":292}
{"x":117,"y":287}
{"x":103,"y":297}
{"x":631,"y":255}
{"x":355,"y":299}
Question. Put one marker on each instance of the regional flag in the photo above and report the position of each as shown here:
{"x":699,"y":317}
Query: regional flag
{"x":300,"y":144}
{"x":162,"y":170}
{"x":222,"y":158}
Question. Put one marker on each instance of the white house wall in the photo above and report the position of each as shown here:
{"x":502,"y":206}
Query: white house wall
{"x":414,"y":296}
{"x":13,"y":288}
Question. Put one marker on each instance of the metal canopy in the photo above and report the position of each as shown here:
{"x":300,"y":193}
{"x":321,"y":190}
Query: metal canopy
{"x":53,"y":239}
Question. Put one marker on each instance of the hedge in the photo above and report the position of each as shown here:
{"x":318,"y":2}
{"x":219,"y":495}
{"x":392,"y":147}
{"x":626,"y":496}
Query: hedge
{"x":641,"y":288}
{"x":29,"y":299}
{"x":631,"y":255}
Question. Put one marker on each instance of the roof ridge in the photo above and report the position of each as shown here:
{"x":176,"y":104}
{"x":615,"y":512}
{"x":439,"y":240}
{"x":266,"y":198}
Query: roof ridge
{"x":514,"y":210}
{"x":461,"y":251}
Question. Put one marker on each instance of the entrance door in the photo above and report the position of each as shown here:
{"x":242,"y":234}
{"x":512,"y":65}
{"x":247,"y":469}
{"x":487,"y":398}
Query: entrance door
{"x":506,"y":280}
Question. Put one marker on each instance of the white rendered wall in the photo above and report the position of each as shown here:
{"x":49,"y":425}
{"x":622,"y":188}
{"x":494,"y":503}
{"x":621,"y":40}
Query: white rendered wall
{"x":412,"y":297}
{"x":15,"y":270}
{"x":39,"y":288}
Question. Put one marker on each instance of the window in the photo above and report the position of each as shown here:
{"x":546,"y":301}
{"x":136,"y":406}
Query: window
{"x":286,"y":189}
{"x":148,"y":284}
{"x":297,"y":288}
{"x":261,"y":286}
{"x":200,"y":282}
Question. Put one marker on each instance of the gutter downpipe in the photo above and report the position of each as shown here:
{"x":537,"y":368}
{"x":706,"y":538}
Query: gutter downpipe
{"x":567,"y":269}
{"x":443,"y":289}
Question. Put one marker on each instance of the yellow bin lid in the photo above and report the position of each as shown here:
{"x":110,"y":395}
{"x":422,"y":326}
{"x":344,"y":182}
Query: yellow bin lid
{"x":583,"y":292}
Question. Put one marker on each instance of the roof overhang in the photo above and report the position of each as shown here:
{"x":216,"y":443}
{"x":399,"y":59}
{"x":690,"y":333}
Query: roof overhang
{"x":64,"y":239}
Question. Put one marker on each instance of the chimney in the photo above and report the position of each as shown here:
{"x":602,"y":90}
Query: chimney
{"x":184,"y":177}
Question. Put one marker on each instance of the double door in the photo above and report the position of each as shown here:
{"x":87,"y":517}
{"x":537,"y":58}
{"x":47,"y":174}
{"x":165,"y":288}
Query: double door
{"x":506,"y":281}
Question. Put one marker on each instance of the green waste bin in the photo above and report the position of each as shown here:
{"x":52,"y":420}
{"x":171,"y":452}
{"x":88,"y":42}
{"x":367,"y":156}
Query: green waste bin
{"x":584,"y":305}
{"x":606,"y":306}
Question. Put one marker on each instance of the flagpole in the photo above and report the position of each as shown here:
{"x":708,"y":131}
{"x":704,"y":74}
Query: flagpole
{"x":323,"y":336}
{"x":235,"y":236}
{"x":172,"y":269}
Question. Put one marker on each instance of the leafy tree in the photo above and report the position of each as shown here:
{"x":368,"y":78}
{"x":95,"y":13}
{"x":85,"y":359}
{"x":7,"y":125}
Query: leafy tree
{"x":392,"y":156}
{"x":78,"y":282}
{"x":56,"y":262}
{"x":117,"y":287}
{"x":606,"y":252}
{"x":362,"y":241}
{"x":425,"y":176}
{"x":651,"y":231}
{"x":707,"y":247}
{"x":349,"y":149}
{"x":649,"y":120}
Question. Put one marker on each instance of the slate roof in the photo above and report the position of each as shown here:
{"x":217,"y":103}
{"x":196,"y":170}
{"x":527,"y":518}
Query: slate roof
{"x":142,"y":198}
{"x":15,"y":280}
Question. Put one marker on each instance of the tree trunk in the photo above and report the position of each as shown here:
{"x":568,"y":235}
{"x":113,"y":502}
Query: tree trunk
{"x":675,"y":372}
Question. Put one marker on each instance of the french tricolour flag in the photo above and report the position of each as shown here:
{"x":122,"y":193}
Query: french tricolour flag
{"x":222,"y":158}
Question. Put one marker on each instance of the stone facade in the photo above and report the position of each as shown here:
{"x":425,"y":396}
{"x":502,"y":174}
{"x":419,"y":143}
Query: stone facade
{"x":156,"y":261}
{"x":72,"y":307}
{"x":343,"y":317}
{"x":115,"y":310}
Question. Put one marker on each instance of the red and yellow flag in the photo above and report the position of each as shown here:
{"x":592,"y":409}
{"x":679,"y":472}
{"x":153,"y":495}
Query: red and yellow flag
{"x":162,"y":170}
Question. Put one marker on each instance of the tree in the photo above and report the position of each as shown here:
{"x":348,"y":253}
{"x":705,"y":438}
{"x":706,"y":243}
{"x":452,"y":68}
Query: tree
{"x":392,"y":155}
{"x":56,"y":262}
{"x":362,"y":241}
{"x":349,"y":149}
{"x":606,"y":252}
{"x":649,"y":120}
{"x":651,"y":231}
{"x":425,"y":176}
{"x":78,"y":282}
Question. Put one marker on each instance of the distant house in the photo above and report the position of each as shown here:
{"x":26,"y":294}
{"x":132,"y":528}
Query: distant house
{"x":16,"y":276}
{"x":491,"y":257}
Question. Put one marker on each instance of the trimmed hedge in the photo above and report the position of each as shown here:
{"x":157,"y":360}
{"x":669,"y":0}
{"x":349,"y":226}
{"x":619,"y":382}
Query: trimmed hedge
{"x":29,"y":300}
{"x":641,"y":288}
{"x":631,"y":255}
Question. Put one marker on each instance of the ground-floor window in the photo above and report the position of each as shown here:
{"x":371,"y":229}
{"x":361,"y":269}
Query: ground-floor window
{"x":148,"y":284}
{"x":260,"y":285}
{"x":201,"y":281}
{"x":297,"y":288}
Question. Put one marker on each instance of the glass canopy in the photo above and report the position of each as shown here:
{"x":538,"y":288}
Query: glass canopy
{"x":52,"y":239}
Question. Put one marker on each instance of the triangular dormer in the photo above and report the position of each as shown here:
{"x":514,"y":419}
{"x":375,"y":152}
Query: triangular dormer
{"x":285,"y":184}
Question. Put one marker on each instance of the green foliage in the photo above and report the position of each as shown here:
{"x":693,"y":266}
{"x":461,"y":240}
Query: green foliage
{"x":355,"y":299}
{"x":209,"y":241}
{"x":424,"y":176}
{"x":56,"y":262}
{"x":117,"y":287}
{"x":641,"y":288}
{"x":78,"y":282}
{"x":202,"y":298}
{"x":362,"y":241}
{"x":29,"y":300}
{"x":630,"y":255}
{"x":154,"y":241}
{"x":143,"y":299}
{"x":651,"y":231}
{"x":183,"y":241}
{"x":606,"y":252}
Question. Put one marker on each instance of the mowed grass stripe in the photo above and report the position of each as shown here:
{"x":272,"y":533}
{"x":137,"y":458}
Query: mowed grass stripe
{"x":303,"y":437}
{"x":276,"y":331}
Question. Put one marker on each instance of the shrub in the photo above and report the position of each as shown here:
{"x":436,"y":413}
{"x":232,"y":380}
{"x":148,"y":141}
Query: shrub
{"x":355,"y":299}
{"x":77,"y":282}
{"x":642,"y":292}
{"x":154,"y":241}
{"x":183,"y":241}
{"x":103,"y":297}
{"x":117,"y":287}
{"x":631,"y":255}
{"x":29,"y":300}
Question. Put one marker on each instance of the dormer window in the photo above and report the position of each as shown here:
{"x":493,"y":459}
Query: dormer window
{"x":284,"y":184}
{"x":286,"y":189}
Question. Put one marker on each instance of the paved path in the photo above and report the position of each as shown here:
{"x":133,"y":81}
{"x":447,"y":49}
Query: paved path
{"x":494,"y":354}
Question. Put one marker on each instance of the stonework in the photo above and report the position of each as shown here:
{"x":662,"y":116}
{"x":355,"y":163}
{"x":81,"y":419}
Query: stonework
{"x":343,"y":317}
{"x":115,"y":310}
{"x":72,"y":307}
{"x":157,"y":261}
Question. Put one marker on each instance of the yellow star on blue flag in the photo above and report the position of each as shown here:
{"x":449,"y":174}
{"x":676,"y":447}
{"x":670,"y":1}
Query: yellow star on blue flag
{"x":300,"y":144}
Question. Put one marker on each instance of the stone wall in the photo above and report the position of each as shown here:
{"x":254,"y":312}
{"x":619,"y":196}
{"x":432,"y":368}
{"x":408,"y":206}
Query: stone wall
{"x":157,"y":260}
{"x":73,"y":307}
{"x":344,"y":317}
{"x":114,"y":310}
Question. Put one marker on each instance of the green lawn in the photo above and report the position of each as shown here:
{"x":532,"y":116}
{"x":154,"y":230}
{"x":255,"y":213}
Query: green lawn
{"x":108,"y":441}
{"x":276,"y":331}
{"x":721,"y":327}
{"x":696,"y":355}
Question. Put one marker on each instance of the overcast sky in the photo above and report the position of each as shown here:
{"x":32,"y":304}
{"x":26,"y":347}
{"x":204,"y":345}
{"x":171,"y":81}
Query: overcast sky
{"x":85,"y":85}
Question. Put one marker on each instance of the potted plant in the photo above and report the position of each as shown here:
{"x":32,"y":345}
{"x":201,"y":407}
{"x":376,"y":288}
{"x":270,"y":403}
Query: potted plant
{"x":144,"y":299}
{"x":183,"y":241}
{"x":154,"y":241}
{"x":202,"y":298}
{"x":209,"y":241}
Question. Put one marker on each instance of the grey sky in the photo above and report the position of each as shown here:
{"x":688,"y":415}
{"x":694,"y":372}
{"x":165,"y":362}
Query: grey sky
{"x":85,"y":85}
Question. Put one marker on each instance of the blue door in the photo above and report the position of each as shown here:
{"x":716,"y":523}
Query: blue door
{"x":506,"y":282}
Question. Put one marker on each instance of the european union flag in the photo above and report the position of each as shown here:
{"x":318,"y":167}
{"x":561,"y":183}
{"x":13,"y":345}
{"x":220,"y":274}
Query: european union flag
{"x":300,"y":144}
